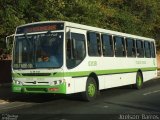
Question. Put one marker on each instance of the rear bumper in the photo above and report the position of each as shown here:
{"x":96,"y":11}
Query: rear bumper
{"x":39,"y":89}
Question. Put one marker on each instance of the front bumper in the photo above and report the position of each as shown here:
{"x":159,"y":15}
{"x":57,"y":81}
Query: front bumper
{"x":39,"y":88}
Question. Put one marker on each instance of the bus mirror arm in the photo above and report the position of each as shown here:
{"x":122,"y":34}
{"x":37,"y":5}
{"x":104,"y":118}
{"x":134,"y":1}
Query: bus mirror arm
{"x":7,"y":40}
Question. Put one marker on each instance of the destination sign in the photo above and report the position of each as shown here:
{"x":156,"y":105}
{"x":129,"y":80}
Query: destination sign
{"x":40,"y":28}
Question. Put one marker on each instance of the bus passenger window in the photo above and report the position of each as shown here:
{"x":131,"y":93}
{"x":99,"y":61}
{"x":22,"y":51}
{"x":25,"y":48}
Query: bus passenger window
{"x":119,"y":47}
{"x":94,"y":45}
{"x":147,"y":47}
{"x":153,"y":50}
{"x":139,"y":46}
{"x":107,"y":44}
{"x":130,"y":46}
{"x":75,"y":50}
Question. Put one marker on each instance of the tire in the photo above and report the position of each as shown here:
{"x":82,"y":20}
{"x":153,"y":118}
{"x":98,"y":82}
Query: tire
{"x":139,"y":81}
{"x":91,"y":90}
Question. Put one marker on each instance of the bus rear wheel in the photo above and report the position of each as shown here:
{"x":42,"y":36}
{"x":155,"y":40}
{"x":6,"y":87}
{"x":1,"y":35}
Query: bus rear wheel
{"x":91,"y":90}
{"x":139,"y":81}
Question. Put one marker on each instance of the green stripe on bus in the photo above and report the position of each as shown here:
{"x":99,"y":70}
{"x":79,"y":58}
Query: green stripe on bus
{"x":106,"y":72}
{"x":86,"y":73}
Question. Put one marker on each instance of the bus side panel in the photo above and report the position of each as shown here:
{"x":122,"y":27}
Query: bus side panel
{"x":148,"y":75}
{"x":69,"y":85}
{"x":79,"y":84}
{"x":116,"y":80}
{"x":102,"y":80}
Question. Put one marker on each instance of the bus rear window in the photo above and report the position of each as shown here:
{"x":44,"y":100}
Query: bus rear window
{"x":152,"y":50}
{"x":130,"y":47}
{"x":119,"y":46}
{"x":94,"y":45}
{"x":107,"y":44}
{"x":147,"y":48}
{"x":139,"y":46}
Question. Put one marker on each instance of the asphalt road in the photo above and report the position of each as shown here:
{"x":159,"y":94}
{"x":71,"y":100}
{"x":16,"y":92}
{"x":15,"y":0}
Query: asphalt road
{"x":117,"y":103}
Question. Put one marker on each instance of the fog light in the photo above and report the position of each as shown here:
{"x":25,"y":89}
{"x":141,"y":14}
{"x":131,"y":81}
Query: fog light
{"x":17,"y":88}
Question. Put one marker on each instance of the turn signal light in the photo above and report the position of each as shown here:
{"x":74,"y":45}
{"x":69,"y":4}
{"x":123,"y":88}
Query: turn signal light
{"x":53,"y":89}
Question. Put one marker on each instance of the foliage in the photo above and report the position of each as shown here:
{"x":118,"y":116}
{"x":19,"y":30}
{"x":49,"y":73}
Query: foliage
{"x":140,"y":17}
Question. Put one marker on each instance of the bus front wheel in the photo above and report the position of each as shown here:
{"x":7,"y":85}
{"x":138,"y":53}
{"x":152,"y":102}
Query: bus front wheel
{"x":91,"y":90}
{"x":139,"y":81}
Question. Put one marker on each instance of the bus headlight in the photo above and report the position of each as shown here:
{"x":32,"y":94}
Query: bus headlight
{"x":58,"y":82}
{"x":17,"y":82}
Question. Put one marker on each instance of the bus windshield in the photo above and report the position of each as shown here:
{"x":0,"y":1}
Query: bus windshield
{"x":43,"y":50}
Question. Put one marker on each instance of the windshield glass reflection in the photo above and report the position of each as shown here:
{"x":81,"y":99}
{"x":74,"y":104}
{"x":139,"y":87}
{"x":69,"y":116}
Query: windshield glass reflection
{"x":39,"y":51}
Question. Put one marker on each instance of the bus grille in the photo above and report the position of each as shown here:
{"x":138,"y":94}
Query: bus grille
{"x":36,"y":74}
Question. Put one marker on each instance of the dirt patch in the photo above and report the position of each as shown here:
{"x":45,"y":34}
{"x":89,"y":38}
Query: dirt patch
{"x":3,"y":102}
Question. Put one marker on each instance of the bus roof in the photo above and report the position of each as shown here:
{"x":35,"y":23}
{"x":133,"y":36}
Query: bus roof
{"x":90,"y":28}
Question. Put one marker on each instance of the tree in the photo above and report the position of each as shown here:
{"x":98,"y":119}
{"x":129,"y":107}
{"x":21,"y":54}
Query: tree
{"x":140,"y":17}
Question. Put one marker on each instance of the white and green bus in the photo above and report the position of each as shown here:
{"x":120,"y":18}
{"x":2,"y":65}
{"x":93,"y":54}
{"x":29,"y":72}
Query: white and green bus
{"x":64,"y":58}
